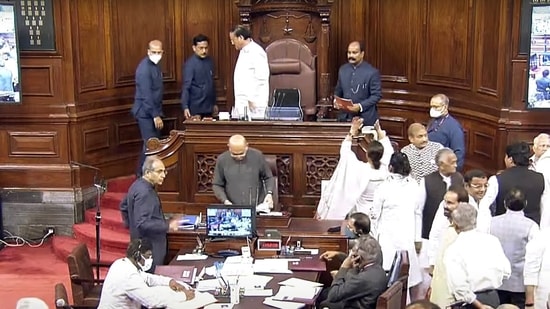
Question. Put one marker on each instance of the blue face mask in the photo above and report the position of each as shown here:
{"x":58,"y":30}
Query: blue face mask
{"x":349,"y":233}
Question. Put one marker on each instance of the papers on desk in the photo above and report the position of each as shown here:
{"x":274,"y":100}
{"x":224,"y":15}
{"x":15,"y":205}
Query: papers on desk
{"x":271,"y":214}
{"x":282,"y":304}
{"x":219,"y":306}
{"x":289,"y":293}
{"x":175,"y":300}
{"x":191,"y":257}
{"x":272,"y":266}
{"x":297,"y":282}
{"x":237,"y":266}
{"x":254,"y":282}
{"x":208,"y":285}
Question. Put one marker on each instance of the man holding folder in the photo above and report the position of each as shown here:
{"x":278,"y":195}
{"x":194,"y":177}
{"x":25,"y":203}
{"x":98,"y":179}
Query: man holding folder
{"x":359,"y":87}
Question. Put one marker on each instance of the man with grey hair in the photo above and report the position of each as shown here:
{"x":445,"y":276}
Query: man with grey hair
{"x":540,"y":144}
{"x":540,"y":162}
{"x":142,"y":211}
{"x":475,"y":262}
{"x":445,"y":129}
{"x":432,"y":190}
{"x":360,"y":279}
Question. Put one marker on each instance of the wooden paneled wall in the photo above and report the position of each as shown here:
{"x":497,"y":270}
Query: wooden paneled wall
{"x":76,"y":100}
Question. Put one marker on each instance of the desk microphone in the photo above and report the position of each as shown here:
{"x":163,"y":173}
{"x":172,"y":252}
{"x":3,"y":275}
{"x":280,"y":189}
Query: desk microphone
{"x":60,"y":302}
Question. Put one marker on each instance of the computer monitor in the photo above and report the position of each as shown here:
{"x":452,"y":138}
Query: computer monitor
{"x":230,"y":221}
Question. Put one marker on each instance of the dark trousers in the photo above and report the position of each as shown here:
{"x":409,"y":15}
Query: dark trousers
{"x":147,"y":130}
{"x":514,"y":298}
{"x":323,"y":303}
{"x":487,"y":297}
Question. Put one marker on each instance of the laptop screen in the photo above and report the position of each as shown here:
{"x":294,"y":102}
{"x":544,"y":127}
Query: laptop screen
{"x":230,"y":221}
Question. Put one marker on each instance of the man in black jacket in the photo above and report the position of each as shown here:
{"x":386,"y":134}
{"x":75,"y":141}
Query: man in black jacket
{"x":360,"y":280}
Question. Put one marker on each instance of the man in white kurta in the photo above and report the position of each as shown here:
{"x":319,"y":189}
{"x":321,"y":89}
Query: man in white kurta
{"x":536,"y":271}
{"x":540,"y":162}
{"x":251,"y":76}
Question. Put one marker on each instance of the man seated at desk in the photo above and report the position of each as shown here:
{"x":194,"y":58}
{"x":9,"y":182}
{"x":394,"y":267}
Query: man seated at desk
{"x":360,"y":279}
{"x":242,"y":175}
{"x":127,"y":285}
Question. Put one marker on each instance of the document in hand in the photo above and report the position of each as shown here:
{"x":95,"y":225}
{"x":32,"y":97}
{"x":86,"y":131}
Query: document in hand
{"x":345,"y":104}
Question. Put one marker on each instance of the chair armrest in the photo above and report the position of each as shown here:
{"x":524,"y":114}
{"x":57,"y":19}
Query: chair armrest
{"x":79,"y":280}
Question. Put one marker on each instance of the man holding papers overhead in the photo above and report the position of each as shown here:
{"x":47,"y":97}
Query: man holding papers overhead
{"x":360,"y":280}
{"x":359,"y":85}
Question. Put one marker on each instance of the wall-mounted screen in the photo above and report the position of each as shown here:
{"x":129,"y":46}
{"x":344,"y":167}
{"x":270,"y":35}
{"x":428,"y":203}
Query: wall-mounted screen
{"x":10,"y":90}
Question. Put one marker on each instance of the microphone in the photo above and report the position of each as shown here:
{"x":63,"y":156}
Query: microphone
{"x":85,"y":165}
{"x":257,"y":194}
{"x":60,"y":302}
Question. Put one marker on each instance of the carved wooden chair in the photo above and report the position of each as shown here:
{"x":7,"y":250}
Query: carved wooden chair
{"x":86,"y":290}
{"x":62,"y":299}
{"x":391,"y":298}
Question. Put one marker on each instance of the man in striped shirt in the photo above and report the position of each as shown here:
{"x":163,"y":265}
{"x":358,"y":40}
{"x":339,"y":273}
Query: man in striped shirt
{"x":421,"y":152}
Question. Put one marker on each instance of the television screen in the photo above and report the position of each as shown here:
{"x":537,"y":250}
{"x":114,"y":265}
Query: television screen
{"x":230,"y":221}
{"x":9,"y":56}
{"x":538,"y":79}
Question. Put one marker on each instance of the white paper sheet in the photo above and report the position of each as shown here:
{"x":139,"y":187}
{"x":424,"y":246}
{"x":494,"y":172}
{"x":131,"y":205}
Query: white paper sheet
{"x":282,"y":304}
{"x":272,"y":266}
{"x":297,"y":282}
{"x":191,"y":257}
{"x":288,"y":293}
{"x":176,"y":300}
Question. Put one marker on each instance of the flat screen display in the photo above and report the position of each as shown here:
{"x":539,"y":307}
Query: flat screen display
{"x":10,"y":90}
{"x":538,"y":79}
{"x":230,"y":221}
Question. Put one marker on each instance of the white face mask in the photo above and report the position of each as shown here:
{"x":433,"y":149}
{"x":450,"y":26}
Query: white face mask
{"x":146,"y":264}
{"x":155,"y":58}
{"x":434,"y":113}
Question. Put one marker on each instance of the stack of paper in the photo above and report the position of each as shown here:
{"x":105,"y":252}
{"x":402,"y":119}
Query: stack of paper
{"x":237,"y":266}
{"x":282,"y":304}
{"x":175,"y":300}
{"x":272,"y":266}
{"x":191,"y":257}
{"x":296,"y":293}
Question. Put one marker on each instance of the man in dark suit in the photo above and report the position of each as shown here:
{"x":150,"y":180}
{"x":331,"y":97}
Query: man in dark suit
{"x":360,"y":279}
{"x":516,"y":175}
{"x":147,"y":108}
{"x":360,"y":82}
{"x":142,"y":212}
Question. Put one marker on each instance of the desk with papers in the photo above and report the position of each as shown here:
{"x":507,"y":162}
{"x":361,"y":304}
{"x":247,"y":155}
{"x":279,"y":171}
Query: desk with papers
{"x":264,"y":282}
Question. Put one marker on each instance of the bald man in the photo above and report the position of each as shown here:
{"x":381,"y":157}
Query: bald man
{"x":360,"y":82}
{"x":147,"y":108}
{"x":445,"y":129}
{"x":242,"y":175}
{"x":421,"y":151}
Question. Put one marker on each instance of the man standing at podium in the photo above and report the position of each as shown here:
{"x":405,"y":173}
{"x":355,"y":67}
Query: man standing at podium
{"x":359,"y":82}
{"x":242,"y":175}
{"x":251,"y":77}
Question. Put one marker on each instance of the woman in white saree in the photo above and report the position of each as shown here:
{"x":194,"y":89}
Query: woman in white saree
{"x":353,"y":183}
{"x":394,"y":216}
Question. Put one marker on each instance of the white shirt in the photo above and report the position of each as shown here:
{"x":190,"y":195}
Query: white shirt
{"x":251,"y":77}
{"x":421,"y":199}
{"x":475,"y":262}
{"x":127,"y":287}
{"x":542,"y":165}
{"x":536,"y":270}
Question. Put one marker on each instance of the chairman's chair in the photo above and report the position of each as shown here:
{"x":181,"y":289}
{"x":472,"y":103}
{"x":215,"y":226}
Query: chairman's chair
{"x":62,"y":299}
{"x":86,"y":289}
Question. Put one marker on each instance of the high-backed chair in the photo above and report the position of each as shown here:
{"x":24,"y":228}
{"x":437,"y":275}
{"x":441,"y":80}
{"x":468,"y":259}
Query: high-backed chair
{"x":62,"y":299}
{"x":86,"y":289}
{"x":272,"y":162}
{"x":391,"y":298}
{"x":404,"y":275}
{"x":292,"y":65}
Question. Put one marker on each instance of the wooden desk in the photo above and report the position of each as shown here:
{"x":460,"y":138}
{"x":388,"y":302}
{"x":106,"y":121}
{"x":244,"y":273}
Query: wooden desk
{"x":312,"y":233}
{"x":307,"y":152}
{"x":250,"y":301}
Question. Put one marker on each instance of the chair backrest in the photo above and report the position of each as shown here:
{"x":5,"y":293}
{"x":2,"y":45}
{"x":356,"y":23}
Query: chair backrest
{"x":272,"y":162}
{"x":393,"y":274}
{"x":290,"y":97}
{"x":404,"y":275}
{"x":61,"y":294}
{"x":391,"y":298}
{"x":80,"y":268}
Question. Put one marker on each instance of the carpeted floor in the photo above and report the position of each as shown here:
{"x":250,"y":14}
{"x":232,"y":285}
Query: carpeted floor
{"x":30,"y":272}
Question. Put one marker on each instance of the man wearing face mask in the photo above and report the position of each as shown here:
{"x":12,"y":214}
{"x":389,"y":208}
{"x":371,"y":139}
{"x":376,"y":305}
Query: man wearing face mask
{"x":147,"y":108}
{"x":127,"y":285}
{"x":242,"y":175}
{"x":198,"y":96}
{"x":445,"y":129}
{"x":360,"y":82}
{"x":540,"y":162}
{"x":360,"y":279}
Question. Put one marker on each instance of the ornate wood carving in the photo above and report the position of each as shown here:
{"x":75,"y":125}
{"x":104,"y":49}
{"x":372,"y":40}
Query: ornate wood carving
{"x":284,"y":174}
{"x":318,"y":168}
{"x":205,"y":164}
